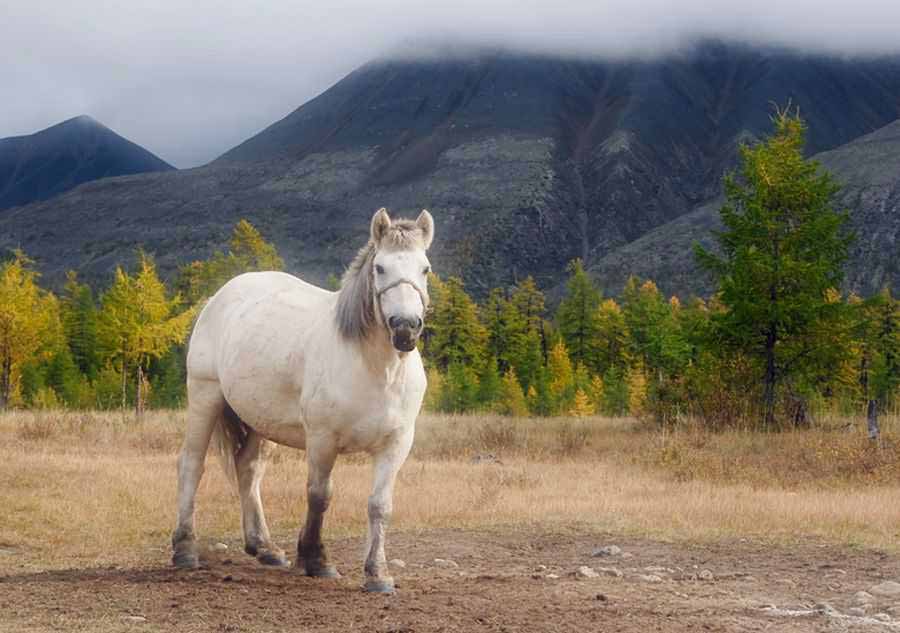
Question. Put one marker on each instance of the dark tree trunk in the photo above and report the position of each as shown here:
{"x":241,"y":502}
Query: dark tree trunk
{"x":769,"y":393}
{"x":139,"y":395}
{"x":5,"y":381}
{"x":872,"y":419}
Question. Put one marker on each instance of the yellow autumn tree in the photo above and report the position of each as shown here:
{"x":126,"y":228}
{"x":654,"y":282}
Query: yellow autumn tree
{"x":247,"y":252}
{"x":637,"y":390}
{"x":435,"y":389}
{"x":29,"y":322}
{"x":512,"y":398}
{"x":138,"y":321}
{"x":596,"y":393}
{"x":562,"y":376}
{"x":581,"y":405}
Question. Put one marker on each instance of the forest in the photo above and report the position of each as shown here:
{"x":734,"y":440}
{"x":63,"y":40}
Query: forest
{"x":780,"y":342}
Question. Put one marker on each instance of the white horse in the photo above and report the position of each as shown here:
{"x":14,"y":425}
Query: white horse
{"x":274,"y":358}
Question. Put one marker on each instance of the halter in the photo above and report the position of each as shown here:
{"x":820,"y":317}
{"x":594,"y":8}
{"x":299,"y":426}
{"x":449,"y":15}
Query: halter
{"x":422,"y":295}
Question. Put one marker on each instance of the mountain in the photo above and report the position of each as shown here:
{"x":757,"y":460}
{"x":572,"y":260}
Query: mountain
{"x":49,"y":162}
{"x":868,"y":171}
{"x":525,"y":162}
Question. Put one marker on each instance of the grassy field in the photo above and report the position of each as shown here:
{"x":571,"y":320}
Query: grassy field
{"x":86,"y":488}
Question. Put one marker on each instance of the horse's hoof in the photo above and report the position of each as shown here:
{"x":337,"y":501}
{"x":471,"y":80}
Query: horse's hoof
{"x":273,"y":559}
{"x":379,"y":585}
{"x":185,"y":560}
{"x":326,"y":571}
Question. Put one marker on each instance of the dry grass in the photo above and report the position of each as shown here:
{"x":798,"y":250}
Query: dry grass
{"x":90,"y":489}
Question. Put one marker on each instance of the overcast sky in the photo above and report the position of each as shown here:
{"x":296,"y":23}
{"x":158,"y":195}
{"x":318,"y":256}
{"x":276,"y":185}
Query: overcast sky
{"x":189,"y":80}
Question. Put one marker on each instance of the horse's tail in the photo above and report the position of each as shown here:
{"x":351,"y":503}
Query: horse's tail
{"x":229,"y":437}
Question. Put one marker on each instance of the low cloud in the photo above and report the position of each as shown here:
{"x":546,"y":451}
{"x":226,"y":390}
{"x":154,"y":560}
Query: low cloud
{"x":190,"y":80}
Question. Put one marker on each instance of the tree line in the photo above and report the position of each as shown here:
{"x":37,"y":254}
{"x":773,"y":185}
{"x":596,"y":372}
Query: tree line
{"x":777,"y":342}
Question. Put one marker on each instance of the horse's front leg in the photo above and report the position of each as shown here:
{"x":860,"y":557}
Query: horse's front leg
{"x":311,"y":554}
{"x":387,"y":463}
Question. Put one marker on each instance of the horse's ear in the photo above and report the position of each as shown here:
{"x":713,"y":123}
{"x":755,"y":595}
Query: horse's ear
{"x":381,"y":222}
{"x":426,"y":224}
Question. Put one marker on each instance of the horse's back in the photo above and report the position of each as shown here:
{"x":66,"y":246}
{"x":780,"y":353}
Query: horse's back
{"x":251,"y":305}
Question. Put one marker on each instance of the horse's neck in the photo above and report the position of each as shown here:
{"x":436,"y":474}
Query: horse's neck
{"x":380,"y":357}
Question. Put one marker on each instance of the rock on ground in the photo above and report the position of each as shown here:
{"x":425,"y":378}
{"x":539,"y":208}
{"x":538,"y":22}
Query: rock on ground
{"x":887,"y":589}
{"x":608,"y":550}
{"x":586,"y":572}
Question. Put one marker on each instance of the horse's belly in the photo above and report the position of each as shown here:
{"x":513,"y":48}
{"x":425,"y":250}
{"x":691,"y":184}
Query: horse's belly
{"x":291,"y":434}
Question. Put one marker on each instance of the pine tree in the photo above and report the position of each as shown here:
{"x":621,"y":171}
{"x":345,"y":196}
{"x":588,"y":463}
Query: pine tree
{"x":248,"y":252}
{"x":512,"y":400}
{"x":79,"y":319}
{"x":782,"y":249}
{"x":138,"y":322}
{"x":613,"y":337}
{"x":456,"y":335}
{"x":539,"y":399}
{"x":460,"y":390}
{"x":561,"y":377}
{"x":29,"y":322}
{"x":488,"y":383}
{"x":577,"y":316}
{"x":581,"y":405}
{"x":528,"y":300}
{"x":879,"y":342}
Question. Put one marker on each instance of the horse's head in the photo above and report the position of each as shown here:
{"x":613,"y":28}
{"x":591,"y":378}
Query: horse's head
{"x":400,"y":275}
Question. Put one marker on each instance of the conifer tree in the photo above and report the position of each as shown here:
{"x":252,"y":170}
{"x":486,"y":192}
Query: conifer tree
{"x":488,"y":383}
{"x":561,"y":377}
{"x":456,"y":335}
{"x":79,"y":320}
{"x":29,"y":322}
{"x":577,"y":316}
{"x":138,"y":321}
{"x":248,"y":252}
{"x":581,"y":405}
{"x":512,"y":400}
{"x":782,"y":248}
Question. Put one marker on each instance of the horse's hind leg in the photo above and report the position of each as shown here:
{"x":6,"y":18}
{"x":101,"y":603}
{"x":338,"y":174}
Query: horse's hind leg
{"x":250,"y":465}
{"x":205,"y":406}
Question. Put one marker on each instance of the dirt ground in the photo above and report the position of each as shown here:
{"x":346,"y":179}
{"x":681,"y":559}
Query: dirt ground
{"x":502,"y":580}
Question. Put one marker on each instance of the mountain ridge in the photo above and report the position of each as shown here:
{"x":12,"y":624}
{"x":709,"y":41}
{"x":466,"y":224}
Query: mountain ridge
{"x":51,"y":161}
{"x":526,"y":162}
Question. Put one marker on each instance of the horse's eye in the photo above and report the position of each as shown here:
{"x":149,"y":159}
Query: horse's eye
{"x":379,"y":269}
{"x":426,"y":270}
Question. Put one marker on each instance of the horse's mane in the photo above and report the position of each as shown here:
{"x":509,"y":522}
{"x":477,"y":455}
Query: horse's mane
{"x":355,"y":313}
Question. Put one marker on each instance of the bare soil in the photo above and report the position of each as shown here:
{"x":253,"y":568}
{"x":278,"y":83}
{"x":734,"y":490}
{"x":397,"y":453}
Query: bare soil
{"x":504,"y":582}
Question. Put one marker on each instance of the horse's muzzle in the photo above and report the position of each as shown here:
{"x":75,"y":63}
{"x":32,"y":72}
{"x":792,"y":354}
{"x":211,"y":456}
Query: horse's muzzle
{"x":405,"y":332}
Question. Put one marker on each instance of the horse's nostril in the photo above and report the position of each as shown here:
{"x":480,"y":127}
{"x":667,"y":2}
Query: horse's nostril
{"x":418,"y":323}
{"x":394,"y":322}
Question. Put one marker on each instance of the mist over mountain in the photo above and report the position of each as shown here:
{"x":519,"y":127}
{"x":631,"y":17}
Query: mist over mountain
{"x":41,"y":165}
{"x":525,"y":161}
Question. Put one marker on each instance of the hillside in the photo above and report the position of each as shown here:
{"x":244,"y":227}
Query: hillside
{"x":54,"y":160}
{"x":526,"y":162}
{"x":868,"y":170}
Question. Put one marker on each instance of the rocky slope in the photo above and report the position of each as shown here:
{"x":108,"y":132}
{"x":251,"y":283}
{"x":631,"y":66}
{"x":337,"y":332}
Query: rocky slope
{"x":868,"y":170}
{"x":49,"y":162}
{"x":525,"y":162}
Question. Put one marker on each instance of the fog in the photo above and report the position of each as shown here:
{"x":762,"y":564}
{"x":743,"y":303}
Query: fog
{"x":189,"y":81}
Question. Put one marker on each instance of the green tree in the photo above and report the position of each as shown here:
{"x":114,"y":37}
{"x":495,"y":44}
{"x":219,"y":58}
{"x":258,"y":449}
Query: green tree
{"x":139,"y":322}
{"x":511,"y":400}
{"x":29,"y":322}
{"x":577,"y":316}
{"x":879,"y":336}
{"x":79,"y":319}
{"x":248,"y":252}
{"x":782,"y":249}
{"x":459,"y":393}
{"x":455,"y":335}
{"x":488,"y":383}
